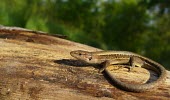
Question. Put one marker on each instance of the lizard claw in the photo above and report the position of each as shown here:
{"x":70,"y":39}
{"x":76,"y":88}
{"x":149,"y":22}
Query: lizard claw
{"x":130,"y":68}
{"x":101,"y":70}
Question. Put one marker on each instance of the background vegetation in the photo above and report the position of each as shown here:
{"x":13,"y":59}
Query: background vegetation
{"x":140,"y":26}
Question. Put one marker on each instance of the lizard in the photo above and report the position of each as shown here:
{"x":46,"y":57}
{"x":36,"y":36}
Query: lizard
{"x":123,"y":57}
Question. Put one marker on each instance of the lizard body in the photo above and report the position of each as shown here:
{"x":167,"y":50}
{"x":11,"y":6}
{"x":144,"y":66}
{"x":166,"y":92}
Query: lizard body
{"x":123,"y":57}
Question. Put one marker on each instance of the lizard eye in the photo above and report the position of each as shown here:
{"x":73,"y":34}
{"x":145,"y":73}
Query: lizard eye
{"x":90,"y":58}
{"x":80,"y":54}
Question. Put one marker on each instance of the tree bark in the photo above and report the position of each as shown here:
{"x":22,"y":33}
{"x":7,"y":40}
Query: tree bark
{"x":39,"y":67}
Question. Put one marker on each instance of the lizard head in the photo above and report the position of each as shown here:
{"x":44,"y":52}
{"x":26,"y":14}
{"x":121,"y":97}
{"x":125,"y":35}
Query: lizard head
{"x":84,"y":56}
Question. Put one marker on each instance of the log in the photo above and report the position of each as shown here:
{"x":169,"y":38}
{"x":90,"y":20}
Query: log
{"x":39,"y":67}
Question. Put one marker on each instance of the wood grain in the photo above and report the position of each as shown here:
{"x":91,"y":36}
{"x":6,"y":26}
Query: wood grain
{"x":39,"y":67}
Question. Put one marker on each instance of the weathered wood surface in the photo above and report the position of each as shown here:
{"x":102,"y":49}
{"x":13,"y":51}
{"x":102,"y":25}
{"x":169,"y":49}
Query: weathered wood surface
{"x":39,"y":67}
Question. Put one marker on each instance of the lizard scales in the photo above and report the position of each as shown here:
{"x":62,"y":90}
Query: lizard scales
{"x":102,"y":56}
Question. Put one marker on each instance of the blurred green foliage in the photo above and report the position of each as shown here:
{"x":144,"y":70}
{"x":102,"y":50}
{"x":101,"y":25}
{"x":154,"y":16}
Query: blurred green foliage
{"x":140,"y":26}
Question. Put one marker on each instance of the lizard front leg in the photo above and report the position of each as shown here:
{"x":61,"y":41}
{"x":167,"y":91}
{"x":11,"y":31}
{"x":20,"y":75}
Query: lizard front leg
{"x":113,"y":62}
{"x":104,"y":66}
{"x":134,"y":62}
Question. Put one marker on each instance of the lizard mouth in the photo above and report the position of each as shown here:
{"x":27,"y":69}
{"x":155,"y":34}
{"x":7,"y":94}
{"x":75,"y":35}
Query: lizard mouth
{"x":76,"y":54}
{"x":72,"y":53}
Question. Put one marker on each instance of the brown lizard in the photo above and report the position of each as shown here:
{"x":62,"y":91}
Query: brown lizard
{"x":123,"y":57}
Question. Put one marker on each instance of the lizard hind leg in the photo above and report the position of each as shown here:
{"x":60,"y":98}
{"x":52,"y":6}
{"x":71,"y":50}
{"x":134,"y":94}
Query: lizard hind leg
{"x":135,"y":62}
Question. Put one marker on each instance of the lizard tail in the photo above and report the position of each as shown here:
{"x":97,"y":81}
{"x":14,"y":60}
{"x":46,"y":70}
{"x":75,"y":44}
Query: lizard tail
{"x":141,"y":87}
